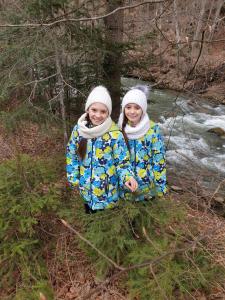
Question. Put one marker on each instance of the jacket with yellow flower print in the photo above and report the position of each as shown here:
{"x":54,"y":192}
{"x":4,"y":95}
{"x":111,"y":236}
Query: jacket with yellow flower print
{"x":105,"y":167}
{"x":148,"y":164}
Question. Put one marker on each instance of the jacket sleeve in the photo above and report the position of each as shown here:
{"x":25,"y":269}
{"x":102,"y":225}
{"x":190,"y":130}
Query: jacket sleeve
{"x":72,"y":160}
{"x":122,"y":159}
{"x":159,"y":162}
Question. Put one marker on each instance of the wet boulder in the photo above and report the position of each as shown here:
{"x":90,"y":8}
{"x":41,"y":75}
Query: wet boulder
{"x":218,"y":131}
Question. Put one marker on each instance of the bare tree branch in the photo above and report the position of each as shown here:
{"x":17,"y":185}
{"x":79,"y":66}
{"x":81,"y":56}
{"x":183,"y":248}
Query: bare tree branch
{"x":42,"y":79}
{"x":215,"y":192}
{"x":83,"y":19}
{"x":199,"y":54}
{"x":72,"y":87}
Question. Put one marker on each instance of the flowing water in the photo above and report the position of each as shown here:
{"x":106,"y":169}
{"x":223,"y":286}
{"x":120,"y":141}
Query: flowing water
{"x":185,"y":123}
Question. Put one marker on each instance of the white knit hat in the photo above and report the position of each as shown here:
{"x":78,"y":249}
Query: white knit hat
{"x":99,"y":94}
{"x":135,"y":96}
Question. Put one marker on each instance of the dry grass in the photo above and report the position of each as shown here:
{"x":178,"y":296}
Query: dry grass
{"x":29,"y":139}
{"x":73,"y":277}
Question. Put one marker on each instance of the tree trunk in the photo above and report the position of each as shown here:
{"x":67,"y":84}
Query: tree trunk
{"x":210,"y":12}
{"x":176,"y":23}
{"x":159,"y":9}
{"x":216,"y":17}
{"x":61,"y":91}
{"x":198,"y":30}
{"x":113,"y":56}
{"x":177,"y":33}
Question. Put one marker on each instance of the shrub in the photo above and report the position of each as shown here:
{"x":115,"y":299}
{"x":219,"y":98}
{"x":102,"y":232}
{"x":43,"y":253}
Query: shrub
{"x":135,"y":233}
{"x":29,"y":198}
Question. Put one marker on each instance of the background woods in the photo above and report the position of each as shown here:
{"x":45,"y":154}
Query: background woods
{"x":160,"y":42}
{"x":51,"y":54}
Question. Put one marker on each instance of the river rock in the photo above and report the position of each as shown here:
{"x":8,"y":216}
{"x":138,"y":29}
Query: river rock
{"x":219,"y":131}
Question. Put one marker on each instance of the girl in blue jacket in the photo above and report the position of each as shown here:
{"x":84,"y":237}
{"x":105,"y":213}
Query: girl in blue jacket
{"x":145,"y":143}
{"x":98,"y":160}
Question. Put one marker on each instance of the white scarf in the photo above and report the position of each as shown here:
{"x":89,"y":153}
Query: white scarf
{"x":139,"y":130}
{"x":93,"y":132}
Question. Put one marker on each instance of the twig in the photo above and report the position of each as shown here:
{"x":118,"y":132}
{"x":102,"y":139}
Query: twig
{"x":55,"y":98}
{"x":194,"y":264}
{"x":42,"y":79}
{"x":215,"y":192}
{"x":69,"y":85}
{"x":149,"y":240}
{"x":32,"y":94}
{"x":156,"y":280}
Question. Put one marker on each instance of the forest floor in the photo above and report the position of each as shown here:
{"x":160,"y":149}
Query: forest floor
{"x":74,"y":277}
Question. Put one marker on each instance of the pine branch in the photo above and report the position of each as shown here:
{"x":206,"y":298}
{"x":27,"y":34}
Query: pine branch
{"x":92,"y":246}
{"x":150,"y":263}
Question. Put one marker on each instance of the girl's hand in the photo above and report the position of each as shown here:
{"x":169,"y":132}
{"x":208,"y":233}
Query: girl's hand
{"x":132,"y":184}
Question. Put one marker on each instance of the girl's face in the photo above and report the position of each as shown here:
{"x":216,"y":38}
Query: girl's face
{"x":133,"y":112}
{"x":98,"y":113}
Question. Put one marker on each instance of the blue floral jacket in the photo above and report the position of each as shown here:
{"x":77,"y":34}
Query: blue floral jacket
{"x":105,"y":168}
{"x":148,"y":164}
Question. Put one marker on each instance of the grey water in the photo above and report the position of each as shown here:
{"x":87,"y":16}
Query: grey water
{"x":185,"y":122}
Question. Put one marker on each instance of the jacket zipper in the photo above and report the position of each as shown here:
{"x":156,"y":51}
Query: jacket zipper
{"x":135,"y":158}
{"x":92,"y":147}
{"x":107,"y":185}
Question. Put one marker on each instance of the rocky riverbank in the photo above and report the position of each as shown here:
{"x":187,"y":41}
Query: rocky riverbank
{"x":208,"y":84}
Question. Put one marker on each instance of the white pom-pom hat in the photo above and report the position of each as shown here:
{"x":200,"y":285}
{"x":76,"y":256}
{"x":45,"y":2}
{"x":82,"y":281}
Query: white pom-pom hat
{"x":101,"y":95}
{"x":135,"y":96}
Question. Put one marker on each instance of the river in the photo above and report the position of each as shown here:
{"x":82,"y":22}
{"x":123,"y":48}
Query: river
{"x":185,"y":121}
